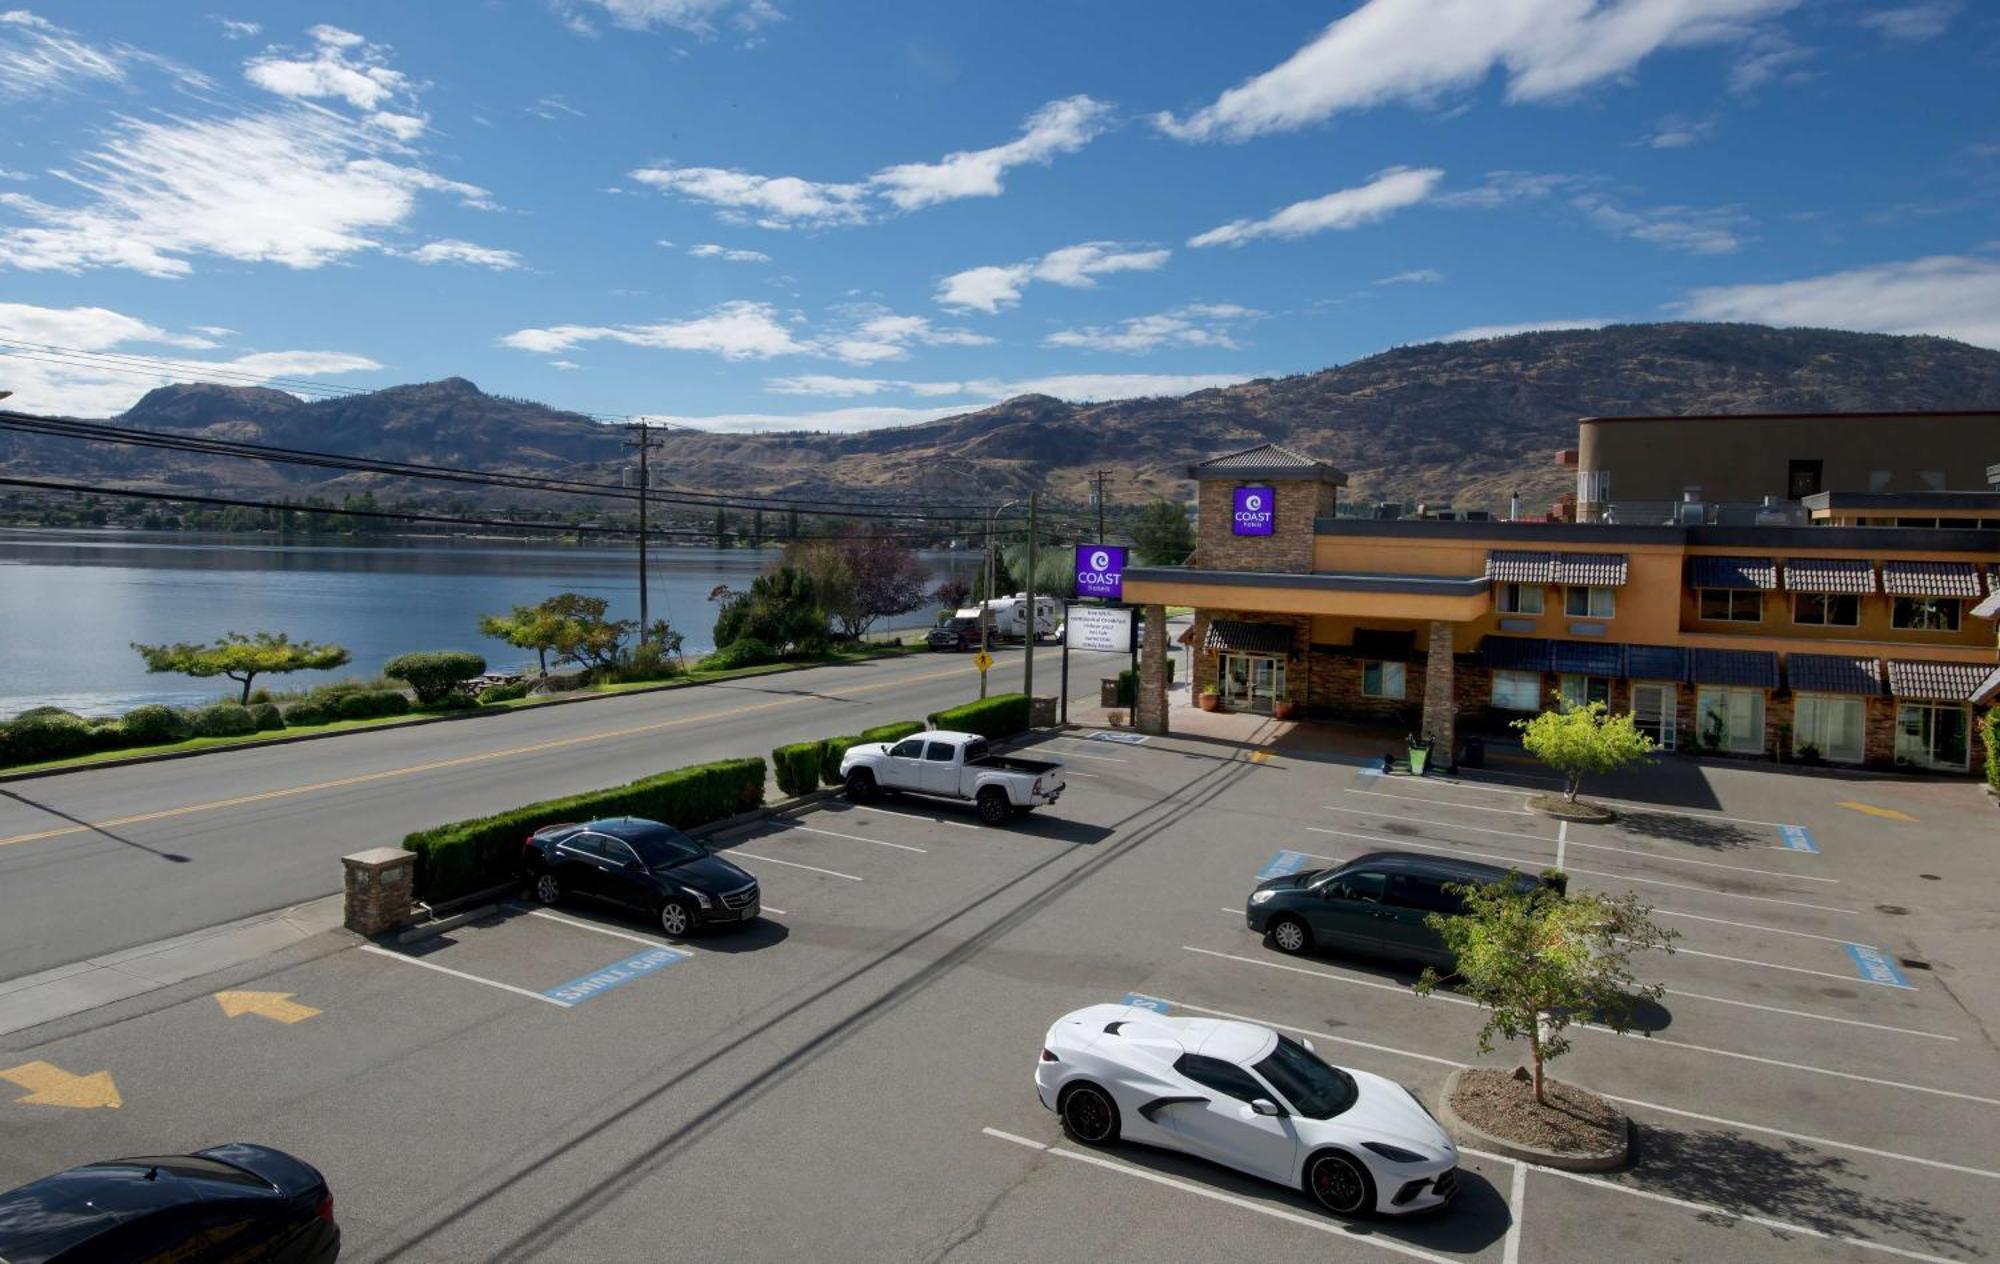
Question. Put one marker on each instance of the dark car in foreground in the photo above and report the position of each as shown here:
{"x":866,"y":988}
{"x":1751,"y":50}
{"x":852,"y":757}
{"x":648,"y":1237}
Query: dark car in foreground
{"x":236,"y":1202}
{"x":1374,"y":905}
{"x":641,"y":866}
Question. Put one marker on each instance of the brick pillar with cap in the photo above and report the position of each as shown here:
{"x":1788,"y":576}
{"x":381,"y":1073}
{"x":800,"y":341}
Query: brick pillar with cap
{"x":1150,"y":709}
{"x":381,"y":882}
{"x":1440,"y":697}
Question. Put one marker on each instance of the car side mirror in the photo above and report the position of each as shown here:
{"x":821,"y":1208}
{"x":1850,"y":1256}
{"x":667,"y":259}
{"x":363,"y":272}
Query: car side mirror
{"x":1266,"y":1107}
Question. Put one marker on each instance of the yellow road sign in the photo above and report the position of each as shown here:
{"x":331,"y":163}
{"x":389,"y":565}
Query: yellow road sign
{"x":982,"y":661}
{"x":1869,"y":809}
{"x":50,"y":1085}
{"x":279,"y":1007}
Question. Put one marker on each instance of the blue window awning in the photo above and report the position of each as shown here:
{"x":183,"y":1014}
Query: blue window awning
{"x":1588,"y":658}
{"x":1749,"y":669}
{"x":1656,"y":662}
{"x":1833,"y":673}
{"x":1734,"y":572}
{"x":1515,"y":653}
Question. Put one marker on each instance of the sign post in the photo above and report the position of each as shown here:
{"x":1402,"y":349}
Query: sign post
{"x":1100,"y":574}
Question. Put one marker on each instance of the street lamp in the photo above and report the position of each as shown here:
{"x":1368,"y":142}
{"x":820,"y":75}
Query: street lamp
{"x":986,"y":602}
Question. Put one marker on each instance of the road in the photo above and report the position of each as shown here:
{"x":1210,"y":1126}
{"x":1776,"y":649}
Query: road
{"x":95,"y":861}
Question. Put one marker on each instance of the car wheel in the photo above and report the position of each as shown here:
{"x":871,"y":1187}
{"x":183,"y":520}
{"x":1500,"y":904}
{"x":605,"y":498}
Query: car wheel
{"x":547,"y":889}
{"x":1089,"y":1115}
{"x":993,"y":806}
{"x":1339,"y":1184}
{"x":1289,"y":934}
{"x":676,"y":920}
{"x":860,"y":785}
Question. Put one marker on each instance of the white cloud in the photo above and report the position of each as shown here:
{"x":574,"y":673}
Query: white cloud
{"x":38,"y":57}
{"x":709,"y":250}
{"x":738,"y":330}
{"x":451,"y":250}
{"x":1503,"y":188}
{"x":697,"y":16}
{"x":827,"y":384}
{"x":1476,"y":333}
{"x":881,"y":335}
{"x":1768,"y":55}
{"x":341,"y":64}
{"x":1952,"y":296}
{"x":1193,"y":325}
{"x":791,"y":202}
{"x":1415,"y":51}
{"x":990,"y":288}
{"x":564,"y":365}
{"x":837,"y":420}
{"x":549,"y":107}
{"x":1388,"y":192}
{"x":1695,"y":230}
{"x":1415,"y":276}
{"x":232,"y":29}
{"x":1913,"y":23}
{"x":1677,"y":131}
{"x":1071,"y":386}
{"x":89,"y":328}
{"x":404,"y":127}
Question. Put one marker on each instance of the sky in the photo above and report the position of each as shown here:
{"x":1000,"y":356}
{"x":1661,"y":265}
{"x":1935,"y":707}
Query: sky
{"x":783,"y":214}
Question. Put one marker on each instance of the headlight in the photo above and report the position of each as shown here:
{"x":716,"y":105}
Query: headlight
{"x":1262,"y":897}
{"x":699,"y":898}
{"x":1395,"y":1154}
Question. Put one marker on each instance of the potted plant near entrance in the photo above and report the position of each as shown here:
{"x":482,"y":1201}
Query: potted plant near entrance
{"x":1210,"y":698}
{"x":1284,"y":709}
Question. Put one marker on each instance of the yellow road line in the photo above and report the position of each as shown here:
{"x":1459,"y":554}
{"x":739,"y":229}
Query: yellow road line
{"x":1869,"y":809}
{"x":461,"y":761}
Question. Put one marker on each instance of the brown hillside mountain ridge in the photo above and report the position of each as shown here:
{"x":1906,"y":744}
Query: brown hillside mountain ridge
{"x":1460,"y":422}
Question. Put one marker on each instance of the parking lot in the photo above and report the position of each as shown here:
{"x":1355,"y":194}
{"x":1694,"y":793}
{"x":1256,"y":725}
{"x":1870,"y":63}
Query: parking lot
{"x":850,"y":1077}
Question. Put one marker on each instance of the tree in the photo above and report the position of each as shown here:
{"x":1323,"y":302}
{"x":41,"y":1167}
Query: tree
{"x":242,"y":658}
{"x":757,"y":529}
{"x":1583,"y":741}
{"x":1535,"y":958}
{"x":434,"y":675}
{"x":1055,"y":569}
{"x":524,"y":627}
{"x":569,"y":625}
{"x":721,"y":529}
{"x":861,"y":576}
{"x":1162,"y":533}
{"x":780,"y":608}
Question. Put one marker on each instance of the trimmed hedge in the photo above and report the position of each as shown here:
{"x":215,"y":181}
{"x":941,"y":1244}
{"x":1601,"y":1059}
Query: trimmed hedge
{"x":797,"y":767}
{"x":266,"y":717}
{"x":107,"y":734}
{"x":1002,"y":715}
{"x":505,"y":693}
{"x":365,"y":705}
{"x":748,"y":652}
{"x":223,"y":719}
{"x":45,"y":733}
{"x":156,"y":726}
{"x":892,"y":733}
{"x":305,"y":714}
{"x":435,"y":675}
{"x":466,"y":856}
{"x":830,"y":752}
{"x":1128,"y":683}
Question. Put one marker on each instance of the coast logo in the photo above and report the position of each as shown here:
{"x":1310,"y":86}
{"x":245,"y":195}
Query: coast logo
{"x":1256,"y":514}
{"x":1100,"y":571}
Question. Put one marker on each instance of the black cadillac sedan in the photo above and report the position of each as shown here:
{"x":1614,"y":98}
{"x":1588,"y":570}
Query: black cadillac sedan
{"x":642,"y":866}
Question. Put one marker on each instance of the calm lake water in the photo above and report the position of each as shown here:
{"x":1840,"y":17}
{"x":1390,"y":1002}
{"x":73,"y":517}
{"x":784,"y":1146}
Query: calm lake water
{"x":71,"y":602}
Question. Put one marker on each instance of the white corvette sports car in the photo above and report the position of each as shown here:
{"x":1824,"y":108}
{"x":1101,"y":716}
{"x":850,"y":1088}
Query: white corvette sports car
{"x":1249,"y":1098}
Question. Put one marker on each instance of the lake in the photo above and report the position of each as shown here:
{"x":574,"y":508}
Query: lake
{"x":72,"y":602}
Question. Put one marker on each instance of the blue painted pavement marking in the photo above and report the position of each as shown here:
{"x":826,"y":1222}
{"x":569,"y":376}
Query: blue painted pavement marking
{"x":1143,"y":1001}
{"x":1797,"y":838}
{"x":1369,"y":770}
{"x":614,"y":975}
{"x":1283,"y":863}
{"x":1873,"y":966}
{"x":1128,"y":739}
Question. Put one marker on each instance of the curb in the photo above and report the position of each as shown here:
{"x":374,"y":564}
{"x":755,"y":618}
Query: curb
{"x":1579,"y":813}
{"x":1562,"y":1160}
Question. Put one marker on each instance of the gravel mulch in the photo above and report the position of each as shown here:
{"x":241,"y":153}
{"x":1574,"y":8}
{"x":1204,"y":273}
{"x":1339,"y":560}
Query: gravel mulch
{"x":1557,"y":806}
{"x":1574,"y":1121}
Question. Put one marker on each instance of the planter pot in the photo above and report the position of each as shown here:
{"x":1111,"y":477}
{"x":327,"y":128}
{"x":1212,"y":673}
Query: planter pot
{"x":1284,"y":710}
{"x":1209,"y":701}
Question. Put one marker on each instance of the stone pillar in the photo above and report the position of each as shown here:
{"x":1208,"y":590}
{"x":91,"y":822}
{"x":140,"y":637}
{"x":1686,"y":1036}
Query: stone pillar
{"x":380,"y":884}
{"x":1441,"y":697}
{"x":1150,"y":713}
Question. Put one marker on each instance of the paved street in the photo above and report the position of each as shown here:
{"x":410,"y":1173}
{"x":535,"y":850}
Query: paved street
{"x":850,"y":1079}
{"x":95,"y":861}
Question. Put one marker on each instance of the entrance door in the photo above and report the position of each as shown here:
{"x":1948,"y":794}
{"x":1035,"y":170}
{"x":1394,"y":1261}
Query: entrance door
{"x":1653,"y":713}
{"x":1251,"y":682}
{"x":1933,"y":735}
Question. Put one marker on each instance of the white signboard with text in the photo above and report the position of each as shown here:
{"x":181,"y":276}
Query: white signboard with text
{"x":1095,"y":628}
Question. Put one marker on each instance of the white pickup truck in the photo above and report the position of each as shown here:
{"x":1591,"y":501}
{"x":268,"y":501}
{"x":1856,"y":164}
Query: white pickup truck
{"x":952,"y":766}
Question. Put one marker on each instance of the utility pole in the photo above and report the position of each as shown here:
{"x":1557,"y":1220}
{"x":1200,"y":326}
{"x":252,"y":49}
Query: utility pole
{"x":1028,"y":660}
{"x":644,"y":441}
{"x":1099,"y":477}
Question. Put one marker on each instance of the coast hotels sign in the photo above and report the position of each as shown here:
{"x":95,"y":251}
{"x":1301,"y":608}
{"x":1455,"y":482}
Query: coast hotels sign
{"x":1256,"y":511}
{"x":1100,"y":571}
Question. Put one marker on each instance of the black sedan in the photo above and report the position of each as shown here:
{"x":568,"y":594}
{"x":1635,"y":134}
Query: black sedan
{"x":233,"y":1202}
{"x":641,"y":865}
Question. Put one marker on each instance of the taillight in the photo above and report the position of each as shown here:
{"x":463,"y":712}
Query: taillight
{"x":325,"y":1209}
{"x":1049,"y":1057}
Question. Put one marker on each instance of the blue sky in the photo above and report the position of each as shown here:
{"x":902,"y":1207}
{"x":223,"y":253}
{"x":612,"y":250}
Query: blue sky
{"x":759,"y":213}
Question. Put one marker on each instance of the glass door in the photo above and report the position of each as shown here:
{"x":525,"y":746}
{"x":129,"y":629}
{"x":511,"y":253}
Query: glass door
{"x":1235,"y":673}
{"x":1653,"y":713}
{"x":1251,"y":682}
{"x":1933,"y":735}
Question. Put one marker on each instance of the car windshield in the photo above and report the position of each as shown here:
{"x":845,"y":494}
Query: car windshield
{"x":661,"y":846}
{"x":1314,"y":1089}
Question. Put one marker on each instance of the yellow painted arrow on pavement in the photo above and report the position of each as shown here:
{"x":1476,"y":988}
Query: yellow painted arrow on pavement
{"x":277,"y":1006}
{"x":50,"y":1085}
{"x":1869,"y":809}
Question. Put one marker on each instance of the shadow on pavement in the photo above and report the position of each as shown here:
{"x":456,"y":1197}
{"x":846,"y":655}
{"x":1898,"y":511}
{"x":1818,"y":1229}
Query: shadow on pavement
{"x":169,"y":856}
{"x":1713,"y":834}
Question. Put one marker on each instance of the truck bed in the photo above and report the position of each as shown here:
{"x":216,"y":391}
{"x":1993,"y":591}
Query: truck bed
{"x":1034,"y":767}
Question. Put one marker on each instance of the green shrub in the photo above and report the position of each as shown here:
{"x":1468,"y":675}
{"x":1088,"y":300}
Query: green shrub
{"x":434,"y":675}
{"x":108,"y":734}
{"x":505,"y":693}
{"x":43,"y":713}
{"x":648,"y":660}
{"x":306,"y":714}
{"x":1128,"y":683}
{"x":223,"y":719}
{"x":156,"y":726}
{"x":455,"y":859}
{"x":1990,"y":731}
{"x":266,"y":717}
{"x":367,"y":705}
{"x":797,"y":767}
{"x":892,"y":733}
{"x":1002,"y":715}
{"x":830,"y":752}
{"x":449,"y":703}
{"x":46,"y":733}
{"x":748,"y":652}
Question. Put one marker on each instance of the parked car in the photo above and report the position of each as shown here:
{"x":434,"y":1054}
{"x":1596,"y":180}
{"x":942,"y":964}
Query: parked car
{"x":1374,"y":905}
{"x":956,"y":634}
{"x":642,"y":866}
{"x":952,"y":766}
{"x":237,"y":1202}
{"x":1250,"y":1098}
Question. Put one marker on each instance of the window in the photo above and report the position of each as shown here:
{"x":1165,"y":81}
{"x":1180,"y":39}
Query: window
{"x":1424,"y":894}
{"x":1382,"y":680}
{"x":1590,"y":603}
{"x":1224,"y":1077}
{"x":1926,"y":614}
{"x":1731,"y":719}
{"x":584,"y":845}
{"x":1802,"y":479}
{"x":1366,"y":886}
{"x":1829,"y":610}
{"x":1581,"y":691}
{"x":1517,"y":690}
{"x":938,"y":753}
{"x":1833,"y":726}
{"x":663,"y":845}
{"x":912,"y":749}
{"x":975,"y":751}
{"x":1733,"y":605}
{"x":618,"y":853}
{"x":1520,"y":598}
{"x":1313,"y":1088}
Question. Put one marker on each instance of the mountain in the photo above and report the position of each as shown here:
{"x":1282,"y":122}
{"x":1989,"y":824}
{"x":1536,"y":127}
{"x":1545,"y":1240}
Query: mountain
{"x":1463,"y":422}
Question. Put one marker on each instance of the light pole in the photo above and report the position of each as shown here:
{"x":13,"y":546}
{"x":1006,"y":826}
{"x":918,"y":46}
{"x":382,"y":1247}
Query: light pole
{"x":986,"y":602}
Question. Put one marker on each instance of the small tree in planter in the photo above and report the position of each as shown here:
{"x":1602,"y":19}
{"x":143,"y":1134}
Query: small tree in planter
{"x":1577,"y":742}
{"x":1536,"y":957}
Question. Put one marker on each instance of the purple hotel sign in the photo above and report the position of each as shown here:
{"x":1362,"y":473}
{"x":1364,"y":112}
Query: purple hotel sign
{"x":1256,"y":511}
{"x":1100,"y":571}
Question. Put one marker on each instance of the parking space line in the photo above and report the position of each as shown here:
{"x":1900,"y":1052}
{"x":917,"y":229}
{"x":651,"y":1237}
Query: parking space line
{"x":856,"y":838}
{"x":460,"y":974}
{"x":793,"y":864}
{"x":1522,"y":1167}
{"x":1808,"y":1138}
{"x":1633,"y":804}
{"x":1772,"y":965}
{"x":1102,"y":759}
{"x":1443,"y":803}
{"x":1769,"y":930}
{"x":912,"y":816}
{"x":1562,"y":843}
{"x":1595,"y":873}
{"x":1321,"y":1225}
{"x":1517,"y":1198}
{"x":601,"y":930}
{"x":1377,"y":984}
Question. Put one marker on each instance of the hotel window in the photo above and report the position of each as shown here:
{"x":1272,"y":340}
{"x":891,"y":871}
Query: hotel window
{"x":1579,"y":691}
{"x":1926,"y":614}
{"x":1382,"y":680}
{"x":1520,"y":598}
{"x":1517,"y":690}
{"x":1731,"y":719}
{"x":1835,"y":726}
{"x":1828,"y":610}
{"x":1731,"y":605}
{"x":1590,"y":603}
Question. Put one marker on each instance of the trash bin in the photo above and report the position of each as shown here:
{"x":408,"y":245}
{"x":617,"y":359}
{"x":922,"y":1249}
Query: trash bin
{"x":1474,"y":755}
{"x":1420,"y":754}
{"x":1107,"y":692}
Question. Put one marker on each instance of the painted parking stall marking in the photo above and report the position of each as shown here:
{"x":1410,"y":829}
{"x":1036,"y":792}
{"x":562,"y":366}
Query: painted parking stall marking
{"x":1876,"y":967}
{"x":619,"y":973}
{"x":1281,"y":864}
{"x":1143,"y":1001}
{"x":1797,"y":838}
{"x":1127,"y":739}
